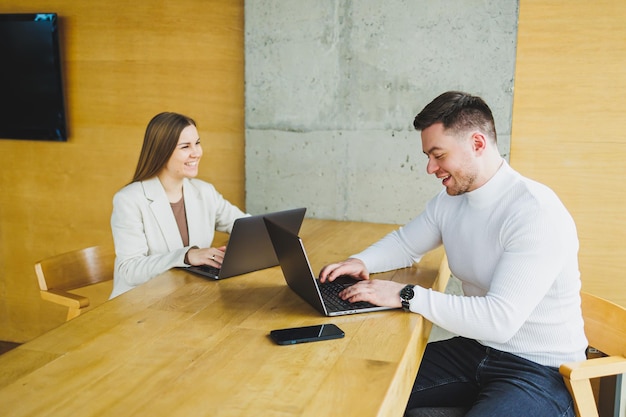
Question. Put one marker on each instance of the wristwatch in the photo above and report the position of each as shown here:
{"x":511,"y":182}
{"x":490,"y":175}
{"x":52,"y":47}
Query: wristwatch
{"x":406,"y":295}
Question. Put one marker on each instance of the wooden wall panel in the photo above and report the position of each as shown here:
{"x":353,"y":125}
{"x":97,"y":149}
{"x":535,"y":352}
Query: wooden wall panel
{"x":569,"y":124}
{"x":123,"y":62}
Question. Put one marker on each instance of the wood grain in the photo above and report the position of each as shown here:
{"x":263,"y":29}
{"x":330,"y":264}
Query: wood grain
{"x":181,"y":345}
{"x":568,"y":124}
{"x":124,"y":62}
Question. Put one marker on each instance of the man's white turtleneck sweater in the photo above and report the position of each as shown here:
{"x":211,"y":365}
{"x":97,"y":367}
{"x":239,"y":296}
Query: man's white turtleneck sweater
{"x":514,"y":247}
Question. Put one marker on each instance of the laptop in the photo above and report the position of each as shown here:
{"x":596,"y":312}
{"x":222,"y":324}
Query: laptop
{"x":249,"y":247}
{"x":300,"y":278}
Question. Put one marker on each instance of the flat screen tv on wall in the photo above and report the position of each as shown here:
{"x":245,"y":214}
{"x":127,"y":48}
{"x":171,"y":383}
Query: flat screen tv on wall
{"x":32,"y":104}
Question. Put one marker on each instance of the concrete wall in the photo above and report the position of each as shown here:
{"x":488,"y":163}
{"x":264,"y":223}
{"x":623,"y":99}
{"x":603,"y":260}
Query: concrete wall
{"x":332,"y":87}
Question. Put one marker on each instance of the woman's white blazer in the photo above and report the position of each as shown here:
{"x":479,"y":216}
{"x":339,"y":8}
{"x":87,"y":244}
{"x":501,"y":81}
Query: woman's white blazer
{"x":146,"y":236}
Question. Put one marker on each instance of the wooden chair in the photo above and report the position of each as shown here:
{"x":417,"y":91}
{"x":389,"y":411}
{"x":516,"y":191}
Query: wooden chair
{"x":605,"y":327}
{"x":90,"y":268}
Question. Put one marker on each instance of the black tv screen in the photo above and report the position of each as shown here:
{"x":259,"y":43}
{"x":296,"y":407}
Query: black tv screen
{"x":32,"y":104}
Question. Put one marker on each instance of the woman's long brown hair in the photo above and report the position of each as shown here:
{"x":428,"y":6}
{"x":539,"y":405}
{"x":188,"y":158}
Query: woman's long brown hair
{"x":159,"y":142}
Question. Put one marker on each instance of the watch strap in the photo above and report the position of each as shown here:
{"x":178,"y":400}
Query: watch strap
{"x":406,"y":295}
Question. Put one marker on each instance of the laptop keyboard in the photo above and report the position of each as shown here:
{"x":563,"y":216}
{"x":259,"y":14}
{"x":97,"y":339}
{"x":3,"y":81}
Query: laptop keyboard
{"x":330,"y":292}
{"x":209,"y":270}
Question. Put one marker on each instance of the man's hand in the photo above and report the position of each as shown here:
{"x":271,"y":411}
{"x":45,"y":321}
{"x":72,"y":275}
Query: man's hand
{"x":351,"y":266}
{"x":376,"y":291}
{"x":379,"y":292}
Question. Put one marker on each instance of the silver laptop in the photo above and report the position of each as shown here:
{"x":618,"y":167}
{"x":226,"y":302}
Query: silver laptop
{"x":249,"y":247}
{"x":300,"y":278}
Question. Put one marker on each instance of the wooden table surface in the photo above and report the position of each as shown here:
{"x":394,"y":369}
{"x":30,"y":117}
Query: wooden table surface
{"x":181,"y":345}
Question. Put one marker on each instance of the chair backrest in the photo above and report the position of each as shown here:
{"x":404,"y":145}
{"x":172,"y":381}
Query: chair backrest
{"x":605,"y":325}
{"x":76,"y":269}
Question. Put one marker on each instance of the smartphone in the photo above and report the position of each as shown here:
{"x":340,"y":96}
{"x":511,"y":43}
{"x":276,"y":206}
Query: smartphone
{"x":306,"y":334}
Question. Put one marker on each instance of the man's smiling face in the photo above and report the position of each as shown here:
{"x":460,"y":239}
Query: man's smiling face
{"x":451,"y":158}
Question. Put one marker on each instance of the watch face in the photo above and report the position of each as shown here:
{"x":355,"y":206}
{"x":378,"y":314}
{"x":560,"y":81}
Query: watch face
{"x":407,"y":293}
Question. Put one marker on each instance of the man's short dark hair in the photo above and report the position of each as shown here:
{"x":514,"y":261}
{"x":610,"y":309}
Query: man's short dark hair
{"x":459,"y":112}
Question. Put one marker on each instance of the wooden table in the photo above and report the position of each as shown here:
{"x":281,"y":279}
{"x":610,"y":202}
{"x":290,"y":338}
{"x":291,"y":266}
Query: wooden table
{"x":180,"y":345}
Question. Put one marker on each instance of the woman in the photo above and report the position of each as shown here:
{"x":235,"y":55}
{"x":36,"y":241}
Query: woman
{"x":166,"y":218}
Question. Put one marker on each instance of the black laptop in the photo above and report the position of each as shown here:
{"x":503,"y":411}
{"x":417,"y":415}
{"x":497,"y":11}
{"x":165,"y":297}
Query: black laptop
{"x":249,"y":247}
{"x":300,"y":278}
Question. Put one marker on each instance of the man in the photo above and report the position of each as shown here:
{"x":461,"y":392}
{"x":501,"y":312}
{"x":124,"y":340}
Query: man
{"x":514,"y":247}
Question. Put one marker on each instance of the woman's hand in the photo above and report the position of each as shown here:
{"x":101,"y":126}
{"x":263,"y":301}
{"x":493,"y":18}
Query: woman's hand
{"x":206,"y":256}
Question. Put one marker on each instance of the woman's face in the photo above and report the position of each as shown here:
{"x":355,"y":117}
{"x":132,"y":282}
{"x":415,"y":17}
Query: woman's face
{"x":184,"y":161}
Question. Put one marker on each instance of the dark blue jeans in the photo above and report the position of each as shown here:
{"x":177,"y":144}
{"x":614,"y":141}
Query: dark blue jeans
{"x":462,"y":372}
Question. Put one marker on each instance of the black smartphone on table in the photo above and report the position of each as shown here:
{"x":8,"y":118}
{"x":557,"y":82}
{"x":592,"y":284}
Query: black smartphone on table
{"x":306,"y":334}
